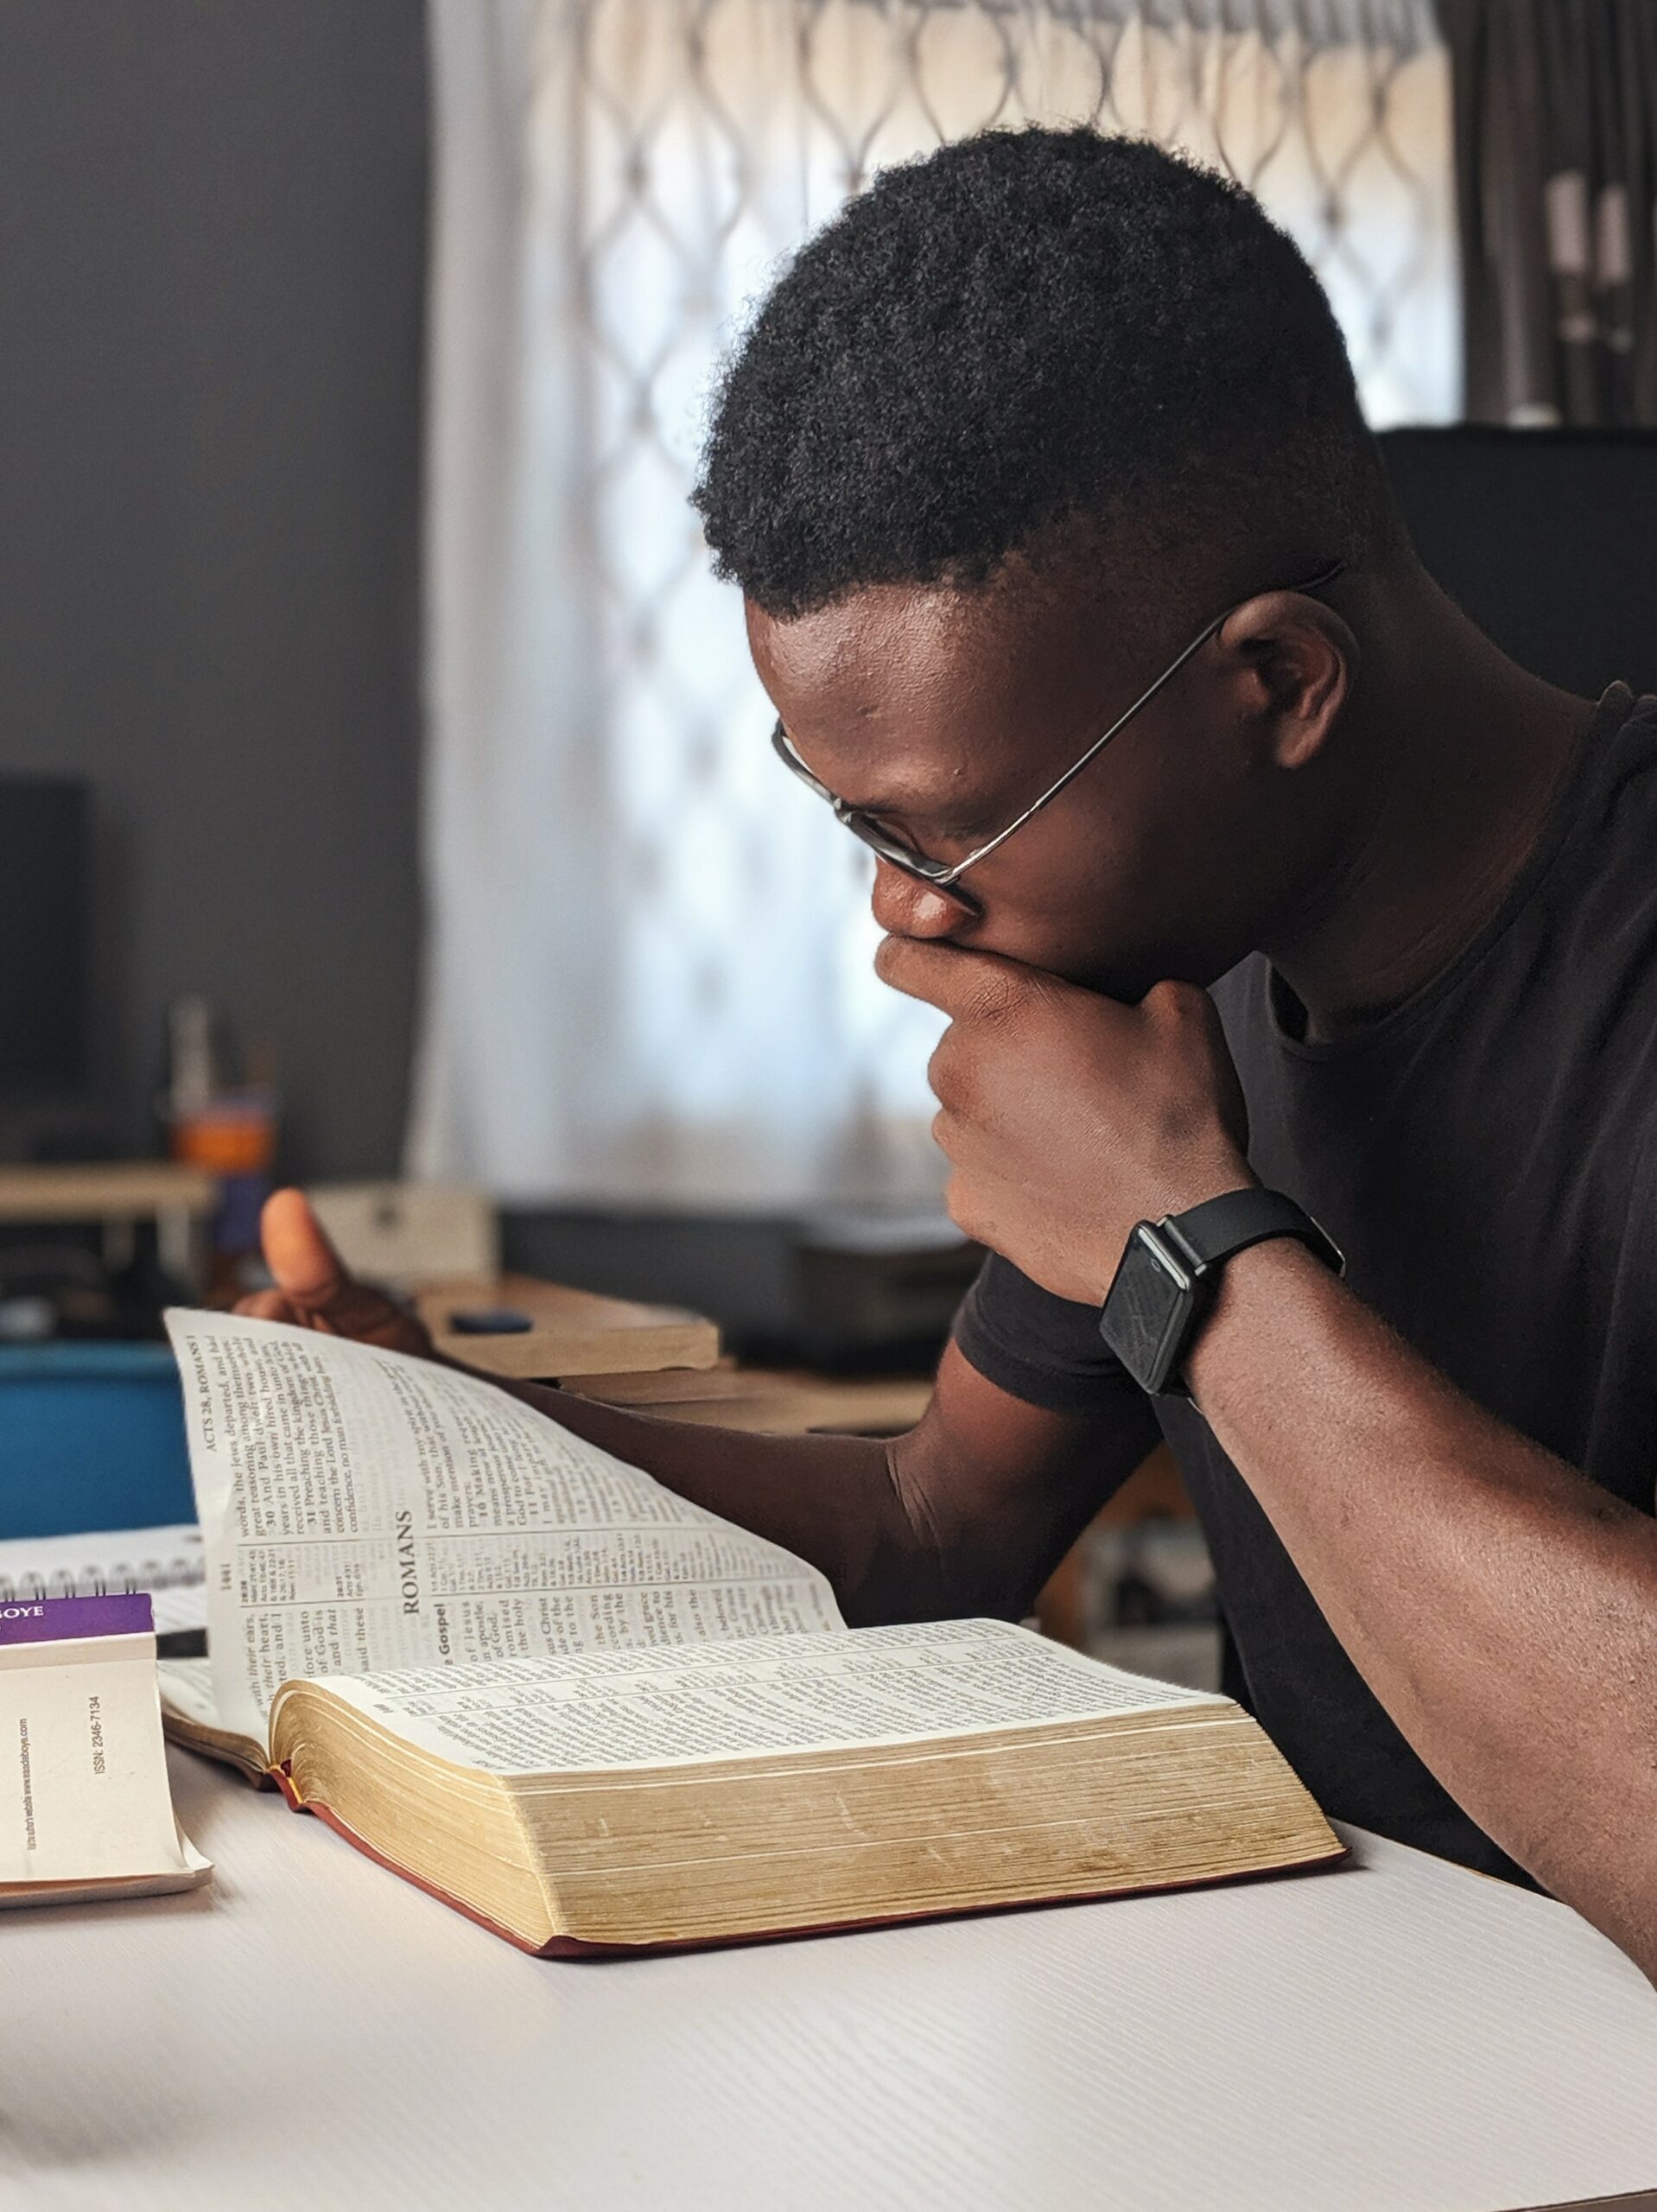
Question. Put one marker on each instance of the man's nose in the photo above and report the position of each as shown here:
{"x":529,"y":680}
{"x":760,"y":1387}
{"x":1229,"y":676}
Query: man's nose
{"x":904,"y":906}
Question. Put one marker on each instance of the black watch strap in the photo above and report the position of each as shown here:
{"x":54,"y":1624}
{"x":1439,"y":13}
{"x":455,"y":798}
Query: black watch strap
{"x":1220,"y":1228}
{"x":1165,"y":1284}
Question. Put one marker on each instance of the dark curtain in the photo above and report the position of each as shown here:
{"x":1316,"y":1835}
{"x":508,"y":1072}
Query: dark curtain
{"x":1555,"y":157}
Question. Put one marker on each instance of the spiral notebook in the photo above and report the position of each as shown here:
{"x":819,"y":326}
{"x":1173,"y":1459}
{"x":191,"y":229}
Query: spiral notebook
{"x":169,"y":1564}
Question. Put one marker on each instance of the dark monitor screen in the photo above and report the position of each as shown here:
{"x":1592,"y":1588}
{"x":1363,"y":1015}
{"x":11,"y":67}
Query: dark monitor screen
{"x":44,"y":824}
{"x":1545,"y":538}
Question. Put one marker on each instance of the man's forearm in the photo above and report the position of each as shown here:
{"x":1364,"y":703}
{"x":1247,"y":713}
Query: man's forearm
{"x":968,"y":1512}
{"x":1502,"y":1607}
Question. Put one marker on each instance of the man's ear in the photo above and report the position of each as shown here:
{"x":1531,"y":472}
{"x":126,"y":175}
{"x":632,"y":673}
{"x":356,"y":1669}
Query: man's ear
{"x":1299,"y":659}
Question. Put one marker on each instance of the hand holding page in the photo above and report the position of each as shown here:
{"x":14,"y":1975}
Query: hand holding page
{"x":363,"y":1509}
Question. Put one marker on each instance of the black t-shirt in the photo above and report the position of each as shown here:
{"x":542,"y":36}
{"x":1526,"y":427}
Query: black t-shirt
{"x":1484,"y":1157}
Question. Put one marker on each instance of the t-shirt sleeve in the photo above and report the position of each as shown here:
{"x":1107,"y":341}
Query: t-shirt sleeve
{"x":1045,"y":1351}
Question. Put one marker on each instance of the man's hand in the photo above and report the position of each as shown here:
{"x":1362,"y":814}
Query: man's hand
{"x":1067,"y":1117}
{"x":313,"y":1289}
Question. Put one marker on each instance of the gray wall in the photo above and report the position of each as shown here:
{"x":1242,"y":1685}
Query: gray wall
{"x":211,"y":253}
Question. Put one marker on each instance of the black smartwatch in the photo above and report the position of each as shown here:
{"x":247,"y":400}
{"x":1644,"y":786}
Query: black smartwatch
{"x":1166,"y":1282}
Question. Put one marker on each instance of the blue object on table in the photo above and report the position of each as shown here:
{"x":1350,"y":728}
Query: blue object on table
{"x":91,"y":1436}
{"x":490,"y":1321}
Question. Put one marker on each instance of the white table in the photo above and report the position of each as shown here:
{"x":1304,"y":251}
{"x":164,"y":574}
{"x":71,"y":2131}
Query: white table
{"x":310,"y":2032}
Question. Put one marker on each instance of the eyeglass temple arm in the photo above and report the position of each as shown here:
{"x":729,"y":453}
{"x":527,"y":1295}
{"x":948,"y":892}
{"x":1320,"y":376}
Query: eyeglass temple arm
{"x":1313,"y":583}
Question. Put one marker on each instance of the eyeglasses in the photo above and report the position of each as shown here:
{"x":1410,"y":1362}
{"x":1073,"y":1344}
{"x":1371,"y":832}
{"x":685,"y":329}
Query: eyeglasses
{"x":945,"y":875}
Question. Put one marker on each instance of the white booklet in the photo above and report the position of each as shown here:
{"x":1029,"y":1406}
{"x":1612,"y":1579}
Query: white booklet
{"x":85,"y":1811}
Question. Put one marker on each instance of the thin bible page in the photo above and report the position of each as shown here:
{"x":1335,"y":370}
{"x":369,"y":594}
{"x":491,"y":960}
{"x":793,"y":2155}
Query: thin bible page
{"x":918,"y":1682}
{"x":363,"y":1510}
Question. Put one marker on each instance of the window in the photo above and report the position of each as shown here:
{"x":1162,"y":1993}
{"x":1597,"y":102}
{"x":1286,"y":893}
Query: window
{"x":650,"y":973}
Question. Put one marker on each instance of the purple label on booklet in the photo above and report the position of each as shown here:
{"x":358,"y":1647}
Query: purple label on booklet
{"x":49,"y":1620}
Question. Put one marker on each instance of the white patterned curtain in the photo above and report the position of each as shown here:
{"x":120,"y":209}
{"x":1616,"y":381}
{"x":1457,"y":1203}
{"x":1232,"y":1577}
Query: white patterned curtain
{"x":648,"y":966}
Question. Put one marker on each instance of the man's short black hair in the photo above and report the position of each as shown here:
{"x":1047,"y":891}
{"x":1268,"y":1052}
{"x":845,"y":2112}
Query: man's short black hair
{"x":1026,"y":334}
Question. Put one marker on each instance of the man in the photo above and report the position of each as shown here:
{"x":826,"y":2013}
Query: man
{"x":1049,"y":437}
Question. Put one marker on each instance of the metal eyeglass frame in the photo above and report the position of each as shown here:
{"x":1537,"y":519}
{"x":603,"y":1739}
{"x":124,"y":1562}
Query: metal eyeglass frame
{"x":945,"y":875}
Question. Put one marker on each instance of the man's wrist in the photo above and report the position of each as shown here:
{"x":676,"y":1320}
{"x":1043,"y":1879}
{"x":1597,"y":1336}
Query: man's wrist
{"x":1194,"y":1188}
{"x":1253,"y":1312}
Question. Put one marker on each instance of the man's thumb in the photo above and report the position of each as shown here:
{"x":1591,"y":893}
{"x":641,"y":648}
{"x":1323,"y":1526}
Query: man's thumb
{"x":298,"y":1254}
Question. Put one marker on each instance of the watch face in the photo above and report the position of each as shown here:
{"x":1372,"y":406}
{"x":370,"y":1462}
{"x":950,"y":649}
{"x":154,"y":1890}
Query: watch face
{"x":1145,"y":1316}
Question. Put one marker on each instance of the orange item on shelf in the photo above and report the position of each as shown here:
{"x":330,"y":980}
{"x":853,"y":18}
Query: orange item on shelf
{"x":234,"y":1134}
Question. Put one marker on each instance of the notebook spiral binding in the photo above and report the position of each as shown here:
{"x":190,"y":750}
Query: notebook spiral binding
{"x":123,"y":1578}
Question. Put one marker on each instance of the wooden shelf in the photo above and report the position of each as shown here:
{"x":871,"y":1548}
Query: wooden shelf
{"x":117,"y":1195}
{"x":134,"y":1190}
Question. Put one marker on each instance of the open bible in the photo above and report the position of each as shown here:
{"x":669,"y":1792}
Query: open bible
{"x":593,"y":1715}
